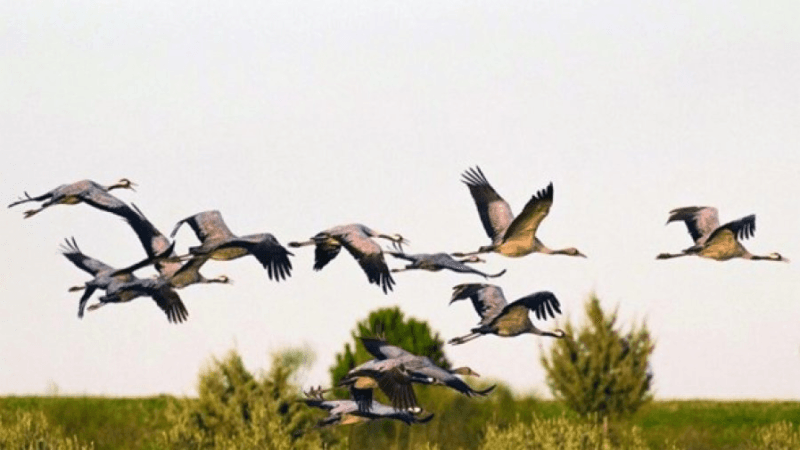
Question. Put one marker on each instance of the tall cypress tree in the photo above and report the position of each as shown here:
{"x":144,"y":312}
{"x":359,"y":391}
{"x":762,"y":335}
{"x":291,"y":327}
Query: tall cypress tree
{"x":600,"y":370}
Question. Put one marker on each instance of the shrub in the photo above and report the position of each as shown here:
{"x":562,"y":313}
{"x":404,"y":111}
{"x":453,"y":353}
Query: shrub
{"x":31,"y":430}
{"x":603,"y":372}
{"x":237,"y":410}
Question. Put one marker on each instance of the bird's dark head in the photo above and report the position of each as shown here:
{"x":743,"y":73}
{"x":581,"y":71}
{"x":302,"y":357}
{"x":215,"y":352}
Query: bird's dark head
{"x":775,"y":256}
{"x":222,"y":279}
{"x":466,"y":371}
{"x":572,"y":251}
{"x":123,"y":183}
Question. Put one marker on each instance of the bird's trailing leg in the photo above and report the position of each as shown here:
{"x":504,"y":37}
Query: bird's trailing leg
{"x":465,"y":338}
{"x":27,"y":198}
{"x":31,"y":212}
{"x":315,"y":393}
{"x":95,"y":306}
{"x":76,"y":288}
{"x":397,"y":240}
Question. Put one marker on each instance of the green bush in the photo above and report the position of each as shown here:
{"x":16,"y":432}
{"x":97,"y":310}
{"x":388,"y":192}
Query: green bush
{"x":598,"y":370}
{"x":237,"y":410}
{"x":28,"y":430}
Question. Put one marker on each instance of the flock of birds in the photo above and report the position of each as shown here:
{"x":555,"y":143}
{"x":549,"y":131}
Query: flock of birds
{"x":393,"y":370}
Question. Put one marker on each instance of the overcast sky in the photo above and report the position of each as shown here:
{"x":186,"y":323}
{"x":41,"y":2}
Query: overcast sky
{"x":292,"y":117}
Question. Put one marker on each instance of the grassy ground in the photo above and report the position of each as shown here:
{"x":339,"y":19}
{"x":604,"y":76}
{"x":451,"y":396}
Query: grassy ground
{"x":695,"y":425}
{"x":136,"y":423}
{"x":111,"y":423}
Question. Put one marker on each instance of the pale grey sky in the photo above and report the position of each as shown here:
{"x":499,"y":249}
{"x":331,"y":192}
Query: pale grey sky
{"x":291,"y":117}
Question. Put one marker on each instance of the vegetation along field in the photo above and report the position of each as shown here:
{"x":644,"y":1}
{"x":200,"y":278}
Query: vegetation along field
{"x":599,"y":378}
{"x":140,"y":423}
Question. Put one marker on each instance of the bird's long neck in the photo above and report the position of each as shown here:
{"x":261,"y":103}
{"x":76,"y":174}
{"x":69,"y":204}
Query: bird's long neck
{"x":464,"y":371}
{"x":558,"y":333}
{"x":770,"y":257}
{"x":569,"y":251}
{"x":670,"y":255}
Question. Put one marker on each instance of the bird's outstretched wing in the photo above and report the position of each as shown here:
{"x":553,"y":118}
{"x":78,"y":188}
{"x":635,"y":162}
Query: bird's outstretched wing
{"x":743,"y":228}
{"x":104,"y":201}
{"x":207,"y":225}
{"x":725,"y":235}
{"x":542,"y":304}
{"x":495,"y":212}
{"x":369,"y":256}
{"x":170,"y":302}
{"x":534,"y":212}
{"x":381,"y":349}
{"x":487,"y":299}
{"x":268,"y":251}
{"x":325,"y":250}
{"x":163,"y":294}
{"x":86,"y":263}
{"x":700,"y":221}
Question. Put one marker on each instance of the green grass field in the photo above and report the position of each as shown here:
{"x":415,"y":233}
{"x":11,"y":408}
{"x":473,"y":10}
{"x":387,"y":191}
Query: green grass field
{"x":136,"y":423}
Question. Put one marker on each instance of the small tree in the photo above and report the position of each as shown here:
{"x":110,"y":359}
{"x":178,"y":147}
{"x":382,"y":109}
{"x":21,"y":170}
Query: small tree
{"x":239,"y":410}
{"x":412,"y":335}
{"x":598,"y":370}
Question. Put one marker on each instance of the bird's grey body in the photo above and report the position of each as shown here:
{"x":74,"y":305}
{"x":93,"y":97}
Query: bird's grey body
{"x":116,"y":283}
{"x":435,"y":262}
{"x":343,"y":412}
{"x":172,"y":274}
{"x":217,"y":242}
{"x":160,"y":251}
{"x":388,"y":375}
{"x":85,"y":191}
{"x":357,"y":239}
{"x":421,"y":369}
{"x":157,"y":288}
{"x":501,"y":318}
{"x":715,"y":241}
{"x":511,"y":236}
